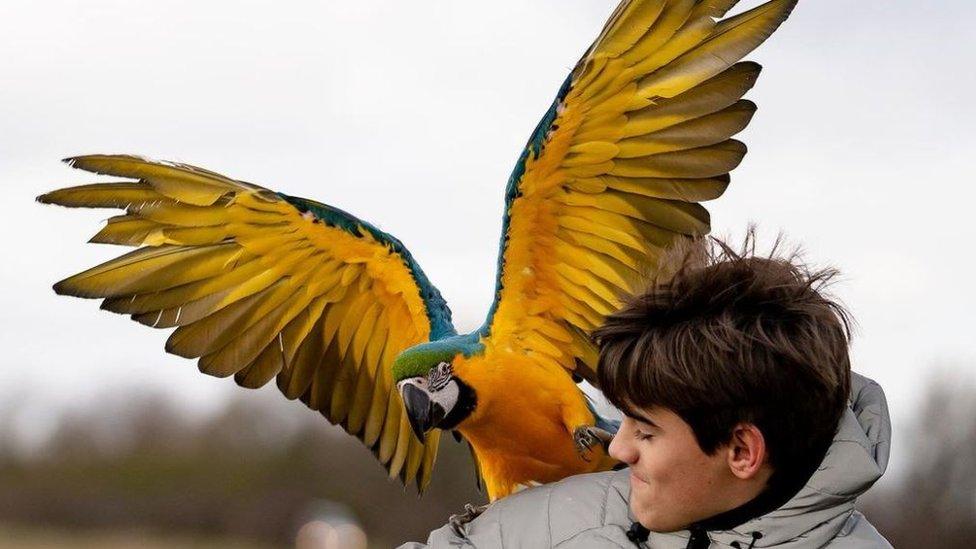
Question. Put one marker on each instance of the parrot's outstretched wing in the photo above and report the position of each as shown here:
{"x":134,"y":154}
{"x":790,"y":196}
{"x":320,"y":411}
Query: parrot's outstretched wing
{"x":638,"y":135}
{"x":260,"y":285}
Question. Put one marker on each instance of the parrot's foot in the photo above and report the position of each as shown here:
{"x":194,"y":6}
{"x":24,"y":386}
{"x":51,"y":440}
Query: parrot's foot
{"x":588,"y":436}
{"x":470,"y":513}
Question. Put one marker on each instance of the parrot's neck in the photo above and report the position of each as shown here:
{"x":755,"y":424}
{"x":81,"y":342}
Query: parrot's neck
{"x":465,"y":344}
{"x":521,"y":429}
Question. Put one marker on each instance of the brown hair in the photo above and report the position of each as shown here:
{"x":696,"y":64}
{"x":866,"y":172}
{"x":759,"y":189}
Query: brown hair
{"x":724,"y":337}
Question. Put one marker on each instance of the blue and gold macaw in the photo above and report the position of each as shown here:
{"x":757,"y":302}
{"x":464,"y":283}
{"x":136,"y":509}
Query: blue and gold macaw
{"x":261,"y":285}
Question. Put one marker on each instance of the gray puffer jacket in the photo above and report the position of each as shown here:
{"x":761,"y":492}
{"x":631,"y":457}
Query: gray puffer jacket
{"x":591,"y":511}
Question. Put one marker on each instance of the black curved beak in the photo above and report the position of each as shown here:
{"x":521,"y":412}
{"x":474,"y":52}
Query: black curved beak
{"x":423,"y":413}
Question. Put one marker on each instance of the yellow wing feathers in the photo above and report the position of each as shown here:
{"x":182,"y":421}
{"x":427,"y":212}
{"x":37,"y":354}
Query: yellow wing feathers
{"x":639,"y":135}
{"x":258,"y":289}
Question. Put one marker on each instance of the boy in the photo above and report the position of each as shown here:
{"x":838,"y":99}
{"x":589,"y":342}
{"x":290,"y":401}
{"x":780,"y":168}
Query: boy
{"x":744,"y":426}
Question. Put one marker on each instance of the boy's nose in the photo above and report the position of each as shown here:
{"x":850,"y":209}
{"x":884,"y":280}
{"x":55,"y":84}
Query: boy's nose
{"x":621,"y":450}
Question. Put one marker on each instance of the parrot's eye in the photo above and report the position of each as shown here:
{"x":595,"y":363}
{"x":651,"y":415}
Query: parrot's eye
{"x":439,"y":376}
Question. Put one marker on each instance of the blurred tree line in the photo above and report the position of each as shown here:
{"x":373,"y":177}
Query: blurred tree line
{"x":259,"y":468}
{"x":933,"y":502}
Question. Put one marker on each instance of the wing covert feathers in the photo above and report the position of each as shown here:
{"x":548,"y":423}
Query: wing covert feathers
{"x":637,"y":137}
{"x":258,"y":289}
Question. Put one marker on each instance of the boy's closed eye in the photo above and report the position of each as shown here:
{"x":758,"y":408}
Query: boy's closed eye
{"x":640,"y":434}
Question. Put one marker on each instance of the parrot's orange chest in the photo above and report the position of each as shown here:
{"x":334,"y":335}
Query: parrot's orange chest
{"x":522,"y":427}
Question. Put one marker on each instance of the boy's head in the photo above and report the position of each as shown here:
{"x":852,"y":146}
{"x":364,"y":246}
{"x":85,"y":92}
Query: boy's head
{"x":732,"y":371}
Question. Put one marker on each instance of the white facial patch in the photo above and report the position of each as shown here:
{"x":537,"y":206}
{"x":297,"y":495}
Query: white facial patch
{"x":447,"y":397}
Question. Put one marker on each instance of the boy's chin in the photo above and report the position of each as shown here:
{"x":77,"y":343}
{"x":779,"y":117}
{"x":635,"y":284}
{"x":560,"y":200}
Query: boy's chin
{"x":653,"y":521}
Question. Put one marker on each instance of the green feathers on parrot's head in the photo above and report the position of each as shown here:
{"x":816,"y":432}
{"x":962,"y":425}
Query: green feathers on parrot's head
{"x":419,"y":359}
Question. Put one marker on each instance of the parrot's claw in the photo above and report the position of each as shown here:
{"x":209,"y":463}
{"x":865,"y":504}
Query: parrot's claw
{"x":588,"y":436}
{"x":470,"y":513}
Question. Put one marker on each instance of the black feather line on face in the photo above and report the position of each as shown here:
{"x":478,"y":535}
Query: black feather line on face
{"x":439,"y":375}
{"x":466,"y":403}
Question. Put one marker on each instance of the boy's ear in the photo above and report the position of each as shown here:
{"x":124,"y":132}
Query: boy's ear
{"x":746,"y":451}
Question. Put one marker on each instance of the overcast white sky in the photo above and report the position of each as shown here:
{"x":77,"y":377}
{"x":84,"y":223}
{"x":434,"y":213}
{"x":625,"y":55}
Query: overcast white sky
{"x":411,"y":115}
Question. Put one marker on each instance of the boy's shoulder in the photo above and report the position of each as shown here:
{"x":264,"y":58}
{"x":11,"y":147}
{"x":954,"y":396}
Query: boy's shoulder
{"x":553,"y":514}
{"x":592,"y":510}
{"x":858,"y":533}
{"x":580,"y":511}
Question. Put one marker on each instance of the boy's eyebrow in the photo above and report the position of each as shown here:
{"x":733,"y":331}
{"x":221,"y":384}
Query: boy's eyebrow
{"x":641,"y":419}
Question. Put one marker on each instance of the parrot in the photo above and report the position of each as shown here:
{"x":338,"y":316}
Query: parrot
{"x":261,"y":285}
